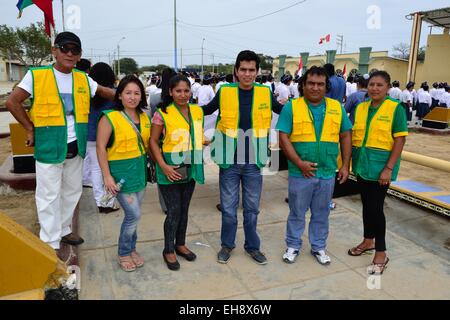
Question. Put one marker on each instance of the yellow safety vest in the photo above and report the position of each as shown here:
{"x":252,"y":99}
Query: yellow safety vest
{"x":228,"y":124}
{"x":48,"y":115}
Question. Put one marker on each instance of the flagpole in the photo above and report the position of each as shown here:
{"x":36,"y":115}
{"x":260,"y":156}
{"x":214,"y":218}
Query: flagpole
{"x":63,"y":23}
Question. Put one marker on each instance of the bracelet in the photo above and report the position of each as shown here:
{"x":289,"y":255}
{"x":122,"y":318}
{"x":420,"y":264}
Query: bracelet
{"x":389,"y":168}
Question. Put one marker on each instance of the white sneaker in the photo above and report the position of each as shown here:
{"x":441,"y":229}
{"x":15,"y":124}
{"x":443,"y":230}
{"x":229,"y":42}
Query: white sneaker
{"x":321,"y":257}
{"x":290,"y":255}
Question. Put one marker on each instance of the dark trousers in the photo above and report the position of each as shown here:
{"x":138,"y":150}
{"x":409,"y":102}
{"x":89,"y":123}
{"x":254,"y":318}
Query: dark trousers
{"x":372,"y":197}
{"x":177,"y":198}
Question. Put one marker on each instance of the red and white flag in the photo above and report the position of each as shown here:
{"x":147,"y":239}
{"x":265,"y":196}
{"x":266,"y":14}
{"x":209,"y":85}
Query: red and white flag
{"x":344,"y":71}
{"x":300,"y":67}
{"x":327,"y":38}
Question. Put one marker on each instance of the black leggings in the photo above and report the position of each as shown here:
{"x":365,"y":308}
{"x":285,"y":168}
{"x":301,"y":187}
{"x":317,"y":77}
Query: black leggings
{"x":372,"y":197}
{"x":177,"y":198}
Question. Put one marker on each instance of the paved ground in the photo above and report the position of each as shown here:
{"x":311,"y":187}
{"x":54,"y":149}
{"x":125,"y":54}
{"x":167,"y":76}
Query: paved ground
{"x":416,"y":239}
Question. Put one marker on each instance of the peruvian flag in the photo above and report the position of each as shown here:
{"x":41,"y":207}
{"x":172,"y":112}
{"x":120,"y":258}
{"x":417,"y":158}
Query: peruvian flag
{"x":300,"y":67}
{"x":45,"y":5}
{"x":344,"y":71}
{"x":327,"y":38}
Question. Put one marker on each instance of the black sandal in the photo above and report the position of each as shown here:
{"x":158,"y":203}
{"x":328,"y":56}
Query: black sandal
{"x":359,"y":251}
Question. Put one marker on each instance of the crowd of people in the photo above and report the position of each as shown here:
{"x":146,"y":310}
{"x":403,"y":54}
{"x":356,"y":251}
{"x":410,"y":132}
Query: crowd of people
{"x":120,"y":129}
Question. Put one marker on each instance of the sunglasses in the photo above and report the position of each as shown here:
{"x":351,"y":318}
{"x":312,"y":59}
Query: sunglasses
{"x":66,"y":48}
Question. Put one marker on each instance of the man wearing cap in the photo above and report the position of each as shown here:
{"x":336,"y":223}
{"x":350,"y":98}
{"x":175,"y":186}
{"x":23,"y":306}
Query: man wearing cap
{"x":240,"y":149}
{"x":56,"y":126}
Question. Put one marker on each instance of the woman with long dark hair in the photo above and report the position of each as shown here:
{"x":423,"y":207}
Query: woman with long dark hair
{"x":104,"y":75}
{"x":122,"y":143}
{"x":179,"y":126}
{"x":379,"y":134}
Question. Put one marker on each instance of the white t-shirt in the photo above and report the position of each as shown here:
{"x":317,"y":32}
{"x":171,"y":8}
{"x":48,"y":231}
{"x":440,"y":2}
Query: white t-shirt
{"x":293,"y":90}
{"x":194,"y":89}
{"x":205,"y":94}
{"x":424,"y":97}
{"x":350,"y":88}
{"x":64,"y":83}
{"x":395,"y":93}
{"x":406,"y":96}
{"x":268,"y":84}
{"x":445,"y":98}
{"x":283,"y":92}
{"x":434,"y":94}
{"x":219,"y":84}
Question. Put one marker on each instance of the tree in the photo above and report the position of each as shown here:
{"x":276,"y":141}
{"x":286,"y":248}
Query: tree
{"x":29,"y":45}
{"x":401,"y":50}
{"x":127,"y":66}
{"x":158,"y":68}
{"x":266,"y":62}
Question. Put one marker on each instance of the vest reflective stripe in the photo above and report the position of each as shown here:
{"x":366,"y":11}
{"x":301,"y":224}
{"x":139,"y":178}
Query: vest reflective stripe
{"x":227,"y":126}
{"x":380,"y":128}
{"x":126,"y":143}
{"x":303,"y":126}
{"x":48,"y":114}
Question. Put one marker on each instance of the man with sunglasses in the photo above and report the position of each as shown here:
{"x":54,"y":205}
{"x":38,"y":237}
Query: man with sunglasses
{"x":56,"y":126}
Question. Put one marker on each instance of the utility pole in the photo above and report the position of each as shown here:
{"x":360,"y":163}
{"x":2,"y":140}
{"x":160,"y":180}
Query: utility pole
{"x":181,"y":54}
{"x":340,"y":42}
{"x":63,"y":20}
{"x":175,"y":34}
{"x":213,"y":63}
{"x":201,"y":75}
{"x":118,"y":57}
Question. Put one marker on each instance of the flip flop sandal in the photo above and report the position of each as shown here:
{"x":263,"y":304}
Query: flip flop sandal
{"x":377,"y":268}
{"x":126,"y":264}
{"x":137,"y":259}
{"x":357,"y":251}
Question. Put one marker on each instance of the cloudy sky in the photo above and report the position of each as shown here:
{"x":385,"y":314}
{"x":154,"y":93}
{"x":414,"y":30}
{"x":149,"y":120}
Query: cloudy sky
{"x":147,"y":26}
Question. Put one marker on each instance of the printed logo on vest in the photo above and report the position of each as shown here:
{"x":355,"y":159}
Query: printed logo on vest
{"x":263,"y":106}
{"x":81,"y":90}
{"x":384,"y":118}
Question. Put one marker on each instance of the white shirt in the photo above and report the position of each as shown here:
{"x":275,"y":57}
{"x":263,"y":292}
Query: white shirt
{"x":268,"y":84}
{"x":64,"y":83}
{"x":194,"y":89}
{"x":406,"y":96}
{"x":152,"y":89}
{"x":445,"y":98}
{"x":395,"y":93}
{"x":219,"y":84}
{"x":441,"y":91}
{"x":424,"y":97}
{"x":293,"y":90}
{"x":191,"y":80}
{"x":434,"y":93}
{"x":283,"y":92}
{"x":205,"y":94}
{"x":350,"y":88}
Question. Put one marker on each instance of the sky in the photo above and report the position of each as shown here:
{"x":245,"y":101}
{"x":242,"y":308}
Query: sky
{"x":147,"y":27}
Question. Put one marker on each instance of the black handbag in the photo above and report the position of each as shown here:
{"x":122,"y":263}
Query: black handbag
{"x":151,"y":167}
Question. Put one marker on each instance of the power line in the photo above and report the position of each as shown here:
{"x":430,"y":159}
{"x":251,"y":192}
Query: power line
{"x":248,"y":20}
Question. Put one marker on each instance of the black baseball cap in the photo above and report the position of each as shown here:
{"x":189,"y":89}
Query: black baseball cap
{"x":67,"y":37}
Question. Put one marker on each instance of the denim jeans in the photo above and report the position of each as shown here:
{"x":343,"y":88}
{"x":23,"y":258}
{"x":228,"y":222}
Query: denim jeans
{"x":177,"y":198}
{"x":230,"y":180}
{"x":304,"y":194}
{"x":131,"y":205}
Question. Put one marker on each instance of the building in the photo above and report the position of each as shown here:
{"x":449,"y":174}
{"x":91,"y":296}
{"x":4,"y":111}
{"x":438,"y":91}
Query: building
{"x":15,"y":73}
{"x":435,"y":67}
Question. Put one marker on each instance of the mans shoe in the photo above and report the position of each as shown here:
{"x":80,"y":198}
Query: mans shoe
{"x":174,"y":266}
{"x":258,"y":256}
{"x":190,"y":256}
{"x":321,"y":257}
{"x":107,"y":210}
{"x":72,"y":239}
{"x":290,"y":255}
{"x":224,"y":255}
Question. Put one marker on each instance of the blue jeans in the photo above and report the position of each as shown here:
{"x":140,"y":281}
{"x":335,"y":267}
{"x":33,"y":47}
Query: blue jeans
{"x":131,"y":205}
{"x":305,"y":194}
{"x":230,"y":180}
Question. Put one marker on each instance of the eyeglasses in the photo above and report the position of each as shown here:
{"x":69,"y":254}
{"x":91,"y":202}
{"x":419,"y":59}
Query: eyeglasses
{"x":66,"y":48}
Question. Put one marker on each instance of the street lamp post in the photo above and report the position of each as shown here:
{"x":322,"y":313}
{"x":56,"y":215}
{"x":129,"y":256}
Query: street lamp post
{"x":118,"y":57}
{"x":202,"y":60}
